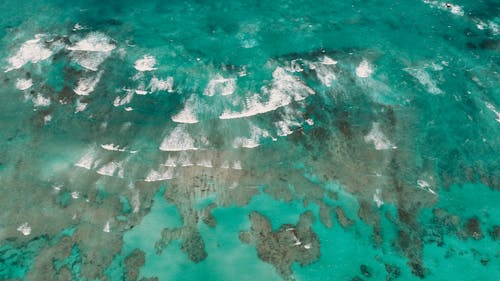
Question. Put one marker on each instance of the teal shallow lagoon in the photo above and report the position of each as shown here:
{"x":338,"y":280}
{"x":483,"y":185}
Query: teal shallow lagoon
{"x":229,"y":140}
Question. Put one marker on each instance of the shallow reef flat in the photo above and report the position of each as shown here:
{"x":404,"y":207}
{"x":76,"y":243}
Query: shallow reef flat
{"x":298,"y":140}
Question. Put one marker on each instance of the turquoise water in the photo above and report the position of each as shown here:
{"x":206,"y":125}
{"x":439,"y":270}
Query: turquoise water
{"x":230,"y":140}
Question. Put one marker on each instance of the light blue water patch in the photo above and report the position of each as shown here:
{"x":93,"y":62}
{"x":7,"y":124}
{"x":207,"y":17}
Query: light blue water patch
{"x":470,"y":200}
{"x":478,"y":259}
{"x":430,"y":81}
{"x":144,"y":235}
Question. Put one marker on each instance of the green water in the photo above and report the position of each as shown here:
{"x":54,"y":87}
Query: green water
{"x":231,"y":140}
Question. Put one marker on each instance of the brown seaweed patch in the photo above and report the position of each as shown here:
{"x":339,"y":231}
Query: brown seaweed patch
{"x":284,"y":246}
{"x":207,"y":216}
{"x":473,"y":229}
{"x":342,"y":217}
{"x":192,"y":242}
{"x":495,"y":232}
{"x":411,"y":246}
{"x":64,"y":274}
{"x":133,"y":262}
{"x":365,"y":270}
{"x":393,"y":272}
{"x":325,"y":215}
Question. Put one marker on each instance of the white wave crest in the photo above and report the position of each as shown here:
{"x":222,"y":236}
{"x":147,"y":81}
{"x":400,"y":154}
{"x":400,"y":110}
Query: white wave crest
{"x":364,"y":69}
{"x":220,"y":85}
{"x":187,"y":115}
{"x":161,"y":85}
{"x":146,"y":63}
{"x":285,"y":89}
{"x":87,"y":85}
{"x":30,"y":51}
{"x":91,"y":51}
{"x":424,"y":79}
{"x":159,"y":175}
{"x":178,"y":140}
{"x":23,"y":84}
{"x":378,"y":138}
{"x":40,"y":101}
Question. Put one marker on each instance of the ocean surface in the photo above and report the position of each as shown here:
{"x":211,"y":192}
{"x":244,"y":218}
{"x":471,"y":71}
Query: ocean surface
{"x":250,"y":140}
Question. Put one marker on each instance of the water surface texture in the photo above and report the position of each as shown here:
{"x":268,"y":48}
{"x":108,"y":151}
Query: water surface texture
{"x":250,"y":140}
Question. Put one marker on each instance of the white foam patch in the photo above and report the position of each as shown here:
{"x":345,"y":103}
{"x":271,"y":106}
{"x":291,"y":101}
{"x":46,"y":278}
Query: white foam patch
{"x":422,"y":184}
{"x":490,"y":25}
{"x":446,"y":6}
{"x":125,"y":100}
{"x":146,"y":63}
{"x":187,"y":115}
{"x":87,"y":85}
{"x":178,"y":140}
{"x":75,"y":195}
{"x":23,"y":84}
{"x":328,"y":61}
{"x":207,"y":163}
{"x":109,"y":169}
{"x":288,"y":122}
{"x":40,"y":101}
{"x":80,"y":106}
{"x":285,"y":89}
{"x":87,"y":160}
{"x":364,"y":69}
{"x":424,"y":79}
{"x":494,"y":110}
{"x":377,"y":198}
{"x":294,"y":67}
{"x":184,"y":160}
{"x":159,"y":176}
{"x":141,"y":92}
{"x":325,"y":74}
{"x":220,"y":85}
{"x":161,"y":85}
{"x":47,"y":119}
{"x":170,"y":162}
{"x":256,"y":134}
{"x":378,"y":138}
{"x":136,"y":201}
{"x":377,"y":90}
{"x":93,"y":42}
{"x":106,"y":227}
{"x":237,"y":165}
{"x":284,"y":127}
{"x":90,"y":60}
{"x":92,"y":51}
{"x":30,"y":51}
{"x":77,"y":27}
{"x":25,"y":229}
{"x":112,"y":147}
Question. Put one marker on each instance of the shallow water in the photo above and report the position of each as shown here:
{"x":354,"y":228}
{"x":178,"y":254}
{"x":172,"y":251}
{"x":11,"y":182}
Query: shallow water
{"x":228,"y":140}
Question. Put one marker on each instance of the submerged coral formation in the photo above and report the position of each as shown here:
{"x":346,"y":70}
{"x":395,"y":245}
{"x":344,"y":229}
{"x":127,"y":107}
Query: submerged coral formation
{"x":252,"y":146}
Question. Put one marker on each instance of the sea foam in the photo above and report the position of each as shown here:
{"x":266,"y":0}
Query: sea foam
{"x":91,"y":51}
{"x":178,"y":140}
{"x":87,"y":85}
{"x":220,"y":85}
{"x":30,"y":51}
{"x":285,"y":89}
{"x":23,"y":84}
{"x":378,"y":138}
{"x":187,"y":115}
{"x":364,"y":69}
{"x":146,"y":63}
